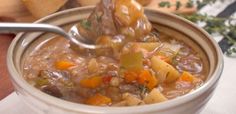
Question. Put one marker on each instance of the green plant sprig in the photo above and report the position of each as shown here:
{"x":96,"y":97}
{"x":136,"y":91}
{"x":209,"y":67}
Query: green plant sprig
{"x":178,"y":4}
{"x":216,"y":25}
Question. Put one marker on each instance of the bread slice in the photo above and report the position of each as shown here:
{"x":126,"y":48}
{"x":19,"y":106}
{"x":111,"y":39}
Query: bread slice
{"x":41,"y":8}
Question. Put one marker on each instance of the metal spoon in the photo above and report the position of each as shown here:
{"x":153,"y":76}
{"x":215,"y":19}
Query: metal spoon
{"x":73,"y":35}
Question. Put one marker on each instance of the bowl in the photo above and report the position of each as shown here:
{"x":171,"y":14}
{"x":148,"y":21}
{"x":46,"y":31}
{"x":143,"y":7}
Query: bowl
{"x":191,"y":103}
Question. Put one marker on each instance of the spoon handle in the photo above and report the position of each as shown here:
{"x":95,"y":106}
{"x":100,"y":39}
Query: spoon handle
{"x":31,"y":27}
{"x":34,"y":27}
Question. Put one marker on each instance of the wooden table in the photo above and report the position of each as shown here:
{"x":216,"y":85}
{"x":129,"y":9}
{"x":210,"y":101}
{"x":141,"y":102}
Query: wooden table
{"x":5,"y":85}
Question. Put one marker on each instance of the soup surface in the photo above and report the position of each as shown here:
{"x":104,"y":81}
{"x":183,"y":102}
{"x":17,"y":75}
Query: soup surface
{"x":146,"y":73}
{"x":137,"y":66}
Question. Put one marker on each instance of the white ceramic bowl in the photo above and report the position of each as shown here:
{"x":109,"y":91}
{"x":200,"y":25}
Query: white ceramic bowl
{"x":191,"y":103}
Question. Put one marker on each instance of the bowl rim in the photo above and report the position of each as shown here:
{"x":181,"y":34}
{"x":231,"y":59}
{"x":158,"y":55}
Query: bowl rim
{"x":76,"y":107}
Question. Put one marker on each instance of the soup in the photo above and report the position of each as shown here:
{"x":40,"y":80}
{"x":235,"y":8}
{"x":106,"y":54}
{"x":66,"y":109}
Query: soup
{"x":138,"y":65}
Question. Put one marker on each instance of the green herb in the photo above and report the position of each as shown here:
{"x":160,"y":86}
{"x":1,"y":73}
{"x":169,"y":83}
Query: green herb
{"x":143,"y":89}
{"x":231,"y":51}
{"x":86,"y":24}
{"x":174,"y":59}
{"x":201,"y":3}
{"x":189,"y":4}
{"x":213,"y":24}
{"x":41,"y":82}
{"x":216,"y":25}
{"x":165,"y":4}
{"x":178,"y":5}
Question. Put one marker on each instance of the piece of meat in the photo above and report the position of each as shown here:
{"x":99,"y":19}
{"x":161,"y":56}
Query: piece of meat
{"x":100,"y":21}
{"x":52,"y":90}
{"x":54,"y":75}
{"x":54,"y":83}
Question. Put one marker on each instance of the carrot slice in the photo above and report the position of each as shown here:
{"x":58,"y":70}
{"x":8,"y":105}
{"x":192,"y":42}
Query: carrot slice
{"x":64,"y":65}
{"x":187,"y":77}
{"x":130,"y":76}
{"x":147,"y":79}
{"x":98,"y":100}
{"x":91,"y":82}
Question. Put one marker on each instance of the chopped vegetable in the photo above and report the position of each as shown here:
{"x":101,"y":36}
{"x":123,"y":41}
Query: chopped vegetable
{"x":186,"y":76}
{"x":130,"y":76}
{"x":155,"y":96}
{"x":41,"y":82}
{"x":131,"y":100}
{"x":93,"y":66}
{"x":147,"y":79}
{"x":149,"y":46}
{"x":106,"y":79}
{"x":86,"y":24}
{"x":132,"y":61}
{"x":164,"y":58}
{"x":115,"y":81}
{"x":98,"y":100}
{"x":104,"y":40}
{"x":166,"y":72}
{"x":143,"y":77}
{"x":128,"y":11}
{"x":63,"y":64}
{"x":91,"y":82}
{"x":169,"y":51}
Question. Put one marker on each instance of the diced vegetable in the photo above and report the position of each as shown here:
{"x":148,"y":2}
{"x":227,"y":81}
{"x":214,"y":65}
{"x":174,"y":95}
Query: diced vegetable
{"x":128,"y":11}
{"x":121,"y":103}
{"x":164,"y":58}
{"x":155,"y":96}
{"x":143,"y":77}
{"x":98,"y":100}
{"x":132,"y":61}
{"x":186,"y":76}
{"x":149,"y":46}
{"x":115,"y":81}
{"x":86,"y":24}
{"x":64,"y":65}
{"x":168,"y":52}
{"x":131,"y":100}
{"x":147,"y":79}
{"x":41,"y":82}
{"x":166,"y":72}
{"x":104,"y":40}
{"x":91,"y":82}
{"x":106,"y":79}
{"x":130,"y":76}
{"x":93,"y":66}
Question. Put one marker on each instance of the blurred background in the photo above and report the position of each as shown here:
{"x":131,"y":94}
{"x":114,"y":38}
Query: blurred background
{"x":216,"y":16}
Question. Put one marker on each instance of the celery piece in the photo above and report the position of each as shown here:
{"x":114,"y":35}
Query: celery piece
{"x":132,"y":61}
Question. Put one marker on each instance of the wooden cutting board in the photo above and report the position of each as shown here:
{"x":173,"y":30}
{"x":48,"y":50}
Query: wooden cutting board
{"x":14,"y":10}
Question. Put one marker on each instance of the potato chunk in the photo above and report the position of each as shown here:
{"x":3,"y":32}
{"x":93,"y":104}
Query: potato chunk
{"x":128,"y":11}
{"x":155,"y":96}
{"x":131,"y":100}
{"x":93,"y":66}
